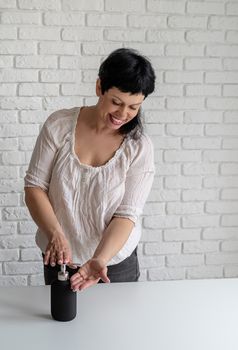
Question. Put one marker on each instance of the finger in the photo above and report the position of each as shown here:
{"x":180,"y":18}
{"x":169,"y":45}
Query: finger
{"x":88,"y":283}
{"x":104,"y":277}
{"x":60,"y":258}
{"x":66,"y":257}
{"x":52,"y":259}
{"x":47,"y":257}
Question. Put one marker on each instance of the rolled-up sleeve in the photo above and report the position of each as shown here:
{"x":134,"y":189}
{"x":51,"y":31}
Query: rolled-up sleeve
{"x":139,"y":180}
{"x":42,"y":159}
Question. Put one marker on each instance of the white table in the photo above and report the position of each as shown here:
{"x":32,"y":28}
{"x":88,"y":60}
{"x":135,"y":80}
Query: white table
{"x":173,"y":315}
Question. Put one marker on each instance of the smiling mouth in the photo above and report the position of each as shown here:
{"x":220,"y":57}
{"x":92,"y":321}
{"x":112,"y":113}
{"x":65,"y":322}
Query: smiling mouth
{"x":114,"y":120}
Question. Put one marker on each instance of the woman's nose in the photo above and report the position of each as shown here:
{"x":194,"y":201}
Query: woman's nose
{"x":123,"y":112}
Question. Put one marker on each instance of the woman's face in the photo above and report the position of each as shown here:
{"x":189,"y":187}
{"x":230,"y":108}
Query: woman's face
{"x":116,"y":107}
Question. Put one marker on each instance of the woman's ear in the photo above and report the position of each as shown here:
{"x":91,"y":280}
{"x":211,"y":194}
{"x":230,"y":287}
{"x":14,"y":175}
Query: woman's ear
{"x":98,"y":87}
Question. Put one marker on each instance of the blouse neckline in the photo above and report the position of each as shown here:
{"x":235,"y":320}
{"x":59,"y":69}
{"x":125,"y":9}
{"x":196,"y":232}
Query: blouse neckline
{"x":87,"y":166}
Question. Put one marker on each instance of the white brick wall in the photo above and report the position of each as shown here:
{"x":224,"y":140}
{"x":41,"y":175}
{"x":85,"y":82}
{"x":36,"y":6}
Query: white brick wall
{"x":49,"y":55}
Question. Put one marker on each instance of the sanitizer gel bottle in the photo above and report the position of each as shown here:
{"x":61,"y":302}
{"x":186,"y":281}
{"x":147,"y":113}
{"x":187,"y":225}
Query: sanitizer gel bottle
{"x":63,"y":299}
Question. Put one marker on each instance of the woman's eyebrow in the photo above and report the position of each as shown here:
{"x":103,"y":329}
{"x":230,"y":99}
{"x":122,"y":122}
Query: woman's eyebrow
{"x":133,"y":104}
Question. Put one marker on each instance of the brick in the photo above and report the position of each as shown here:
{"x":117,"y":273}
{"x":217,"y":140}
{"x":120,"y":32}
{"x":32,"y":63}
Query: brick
{"x":229,"y":169}
{"x":9,"y":130}
{"x":185,"y":260}
{"x":148,"y":21}
{"x":56,"y":103}
{"x":36,"y":280}
{"x":82,"y":62}
{"x":200,"y":247}
{"x":200,"y":168}
{"x":184,"y":50}
{"x":151,"y":236}
{"x":164,"y":195}
{"x":33,"y":117}
{"x":203,"y":117}
{"x":229,"y":220}
{"x":125,"y":6}
{"x":221,"y":156}
{"x":230,"y":117}
{"x":27,"y":227}
{"x":151,"y":261}
{"x":59,"y":48}
{"x":8,"y":89}
{"x":9,"y":199}
{"x":52,"y":76}
{"x":21,"y":103}
{"x":84,"y":34}
{"x":222,"y":50}
{"x":9,"y":254}
{"x":18,"y":213}
{"x":90,"y":76}
{"x":14,"y":47}
{"x":231,"y":271}
{"x":231,"y":246}
{"x":185,"y":103}
{"x":39,"y":4}
{"x":7,"y":228}
{"x":11,"y":186}
{"x":165,"y":274}
{"x":10,"y":4}
{"x":106,"y":20}
{"x":8,"y":32}
{"x":155,"y":129}
{"x":8,"y":117}
{"x":163,"y":142}
{"x":203,"y":90}
{"x":224,"y":130}
{"x":230,"y":90}
{"x":8,"y":172}
{"x":168,"y":89}
{"x":19,"y":268}
{"x":17,"y":242}
{"x":39,"y":33}
{"x":184,"y":208}
{"x":230,"y":143}
{"x":162,"y":248}
{"x":223,"y":22}
{"x":154,"y":103}
{"x":200,"y":221}
{"x":124,"y":35}
{"x":183,"y":77}
{"x":64,"y":19}
{"x":31,"y":254}
{"x":220,"y":181}
{"x":13,"y":158}
{"x":187,"y":22}
{"x":38,"y":89}
{"x":6,"y":62}
{"x":27,"y":143}
{"x":203,"y":64}
{"x":205,"y":272}
{"x":167,"y":169}
{"x":199,"y":7}
{"x":230,"y":63}
{"x":182,"y":156}
{"x":221,"y":258}
{"x":165,"y":36}
{"x":86,"y":89}
{"x":153,"y":209}
{"x":232,"y":9}
{"x":36,"y":61}
{"x":82,"y":5}
{"x":229,"y":194}
{"x":181,"y":234}
{"x":205,"y":37}
{"x":222,"y":207}
{"x":21,"y":17}
{"x":222,"y":77}
{"x":99,"y":48}
{"x":149,"y":50}
{"x":232,"y":37}
{"x":18,"y":75}
{"x":8,"y":144}
{"x":10,"y":281}
{"x":225,"y":233}
{"x":201,"y":143}
{"x":166,"y":6}
{"x":162,"y":221}
{"x":173,"y":182}
{"x":184,"y":129}
{"x":199,"y":195}
{"x":163,"y":117}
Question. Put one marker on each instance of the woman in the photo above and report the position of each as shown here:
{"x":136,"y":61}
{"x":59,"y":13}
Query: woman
{"x":89,"y":176}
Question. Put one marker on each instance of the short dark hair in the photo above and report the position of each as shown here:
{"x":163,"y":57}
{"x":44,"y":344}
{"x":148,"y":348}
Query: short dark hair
{"x":131,"y":72}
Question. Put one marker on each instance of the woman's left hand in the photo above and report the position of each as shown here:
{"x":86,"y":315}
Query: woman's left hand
{"x":89,"y":274}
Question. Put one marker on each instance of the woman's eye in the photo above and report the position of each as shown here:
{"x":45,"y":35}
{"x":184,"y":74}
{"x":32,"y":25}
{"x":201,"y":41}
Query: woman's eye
{"x":115,"y":103}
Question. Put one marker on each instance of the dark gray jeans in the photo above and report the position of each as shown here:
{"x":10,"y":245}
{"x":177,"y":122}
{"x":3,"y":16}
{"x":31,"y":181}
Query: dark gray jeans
{"x":126,"y":271}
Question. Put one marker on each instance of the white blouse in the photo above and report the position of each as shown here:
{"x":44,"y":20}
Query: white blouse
{"x":85,"y":198}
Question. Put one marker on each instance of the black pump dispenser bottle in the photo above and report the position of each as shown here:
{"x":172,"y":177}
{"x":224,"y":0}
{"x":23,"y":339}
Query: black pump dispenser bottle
{"x":63,"y":299}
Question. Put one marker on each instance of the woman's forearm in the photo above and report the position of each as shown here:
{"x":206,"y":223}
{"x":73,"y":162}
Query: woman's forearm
{"x":114,"y":238}
{"x":41,"y":210}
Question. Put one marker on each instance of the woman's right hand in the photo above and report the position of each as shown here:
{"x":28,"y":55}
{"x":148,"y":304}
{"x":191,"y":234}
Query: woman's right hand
{"x":58,"y":250}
